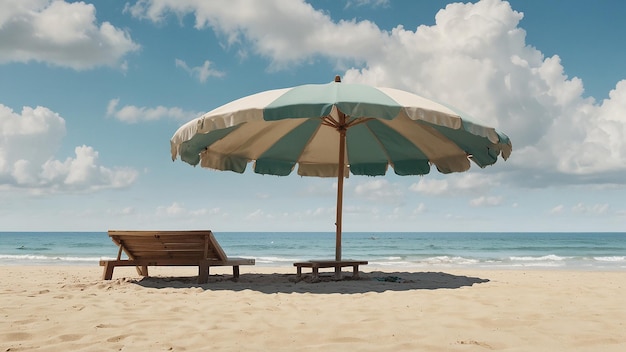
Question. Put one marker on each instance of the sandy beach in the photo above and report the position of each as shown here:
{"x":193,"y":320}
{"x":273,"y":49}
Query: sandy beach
{"x":69,"y":308}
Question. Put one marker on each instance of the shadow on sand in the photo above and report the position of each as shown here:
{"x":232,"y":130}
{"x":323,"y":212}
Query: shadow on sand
{"x":287,"y":283}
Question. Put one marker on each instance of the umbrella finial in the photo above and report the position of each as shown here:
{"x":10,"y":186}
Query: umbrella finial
{"x":337,"y":78}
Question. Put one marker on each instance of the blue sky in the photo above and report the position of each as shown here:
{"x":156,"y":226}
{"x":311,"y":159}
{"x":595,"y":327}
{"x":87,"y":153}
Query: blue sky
{"x":91,"y":92}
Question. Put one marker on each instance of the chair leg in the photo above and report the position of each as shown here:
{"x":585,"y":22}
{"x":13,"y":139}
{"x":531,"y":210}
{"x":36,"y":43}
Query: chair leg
{"x":203,"y":274}
{"x":142,"y":270}
{"x":107,"y":273}
{"x":236,"y":271}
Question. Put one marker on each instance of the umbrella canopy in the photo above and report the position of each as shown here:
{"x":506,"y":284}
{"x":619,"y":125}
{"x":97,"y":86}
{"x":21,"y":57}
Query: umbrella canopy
{"x":334,"y":129}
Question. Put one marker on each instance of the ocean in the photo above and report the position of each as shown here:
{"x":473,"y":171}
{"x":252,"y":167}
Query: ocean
{"x":418,"y":250}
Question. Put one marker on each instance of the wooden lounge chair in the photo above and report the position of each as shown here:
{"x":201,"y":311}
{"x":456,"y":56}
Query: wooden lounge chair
{"x":170,"y":248}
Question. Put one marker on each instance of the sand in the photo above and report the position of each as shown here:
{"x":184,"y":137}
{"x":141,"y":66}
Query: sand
{"x":69,"y":308}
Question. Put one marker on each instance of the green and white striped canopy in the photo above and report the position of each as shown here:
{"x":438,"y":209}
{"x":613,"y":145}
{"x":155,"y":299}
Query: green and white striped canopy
{"x":302,"y":126}
{"x":334,"y":129}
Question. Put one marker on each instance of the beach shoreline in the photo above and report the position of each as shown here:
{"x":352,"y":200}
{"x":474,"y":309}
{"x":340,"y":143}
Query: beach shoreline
{"x":56,"y":308}
{"x":409,"y":250}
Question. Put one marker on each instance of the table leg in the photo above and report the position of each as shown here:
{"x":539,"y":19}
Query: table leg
{"x":355,"y":271}
{"x":338,"y":272}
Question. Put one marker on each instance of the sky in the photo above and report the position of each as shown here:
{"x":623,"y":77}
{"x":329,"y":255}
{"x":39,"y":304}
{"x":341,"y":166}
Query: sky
{"x":91,"y":93}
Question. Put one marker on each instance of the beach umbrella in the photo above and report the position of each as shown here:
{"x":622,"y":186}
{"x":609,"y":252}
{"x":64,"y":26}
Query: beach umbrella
{"x":334,"y":129}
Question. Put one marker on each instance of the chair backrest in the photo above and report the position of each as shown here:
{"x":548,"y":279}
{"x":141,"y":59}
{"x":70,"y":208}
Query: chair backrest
{"x":187,"y":245}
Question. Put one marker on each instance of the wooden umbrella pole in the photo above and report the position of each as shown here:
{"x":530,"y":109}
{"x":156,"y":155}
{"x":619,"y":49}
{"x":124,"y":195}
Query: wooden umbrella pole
{"x":342,"y":151}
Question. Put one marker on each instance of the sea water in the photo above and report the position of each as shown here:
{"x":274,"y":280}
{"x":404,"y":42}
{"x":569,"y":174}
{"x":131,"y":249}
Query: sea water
{"x":420,"y":250}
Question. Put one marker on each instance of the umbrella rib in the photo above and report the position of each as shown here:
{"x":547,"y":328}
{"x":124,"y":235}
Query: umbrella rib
{"x":331,"y":122}
{"x":358,"y":121}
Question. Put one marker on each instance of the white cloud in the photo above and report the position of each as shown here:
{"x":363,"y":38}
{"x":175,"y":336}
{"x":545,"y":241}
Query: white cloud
{"x":557,"y":209}
{"x":583,"y":209}
{"x":134,"y":114}
{"x":475,"y":52}
{"x":370,"y":3}
{"x":126,"y":211}
{"x":320,"y":187}
{"x":466,"y":183}
{"x":430,"y":186}
{"x":486,"y":201}
{"x":202,"y":73}
{"x":378,"y":190}
{"x":421,"y":208}
{"x":257,"y":215}
{"x":84,"y":173}
{"x":179,"y":210}
{"x":596,"y":209}
{"x":28,"y":143}
{"x":60,"y":33}
{"x":208,"y":211}
{"x":175,"y":209}
{"x":320,"y":212}
{"x":310,"y":32}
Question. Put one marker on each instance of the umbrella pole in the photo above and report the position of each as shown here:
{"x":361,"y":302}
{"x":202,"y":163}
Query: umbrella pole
{"x":342,"y":151}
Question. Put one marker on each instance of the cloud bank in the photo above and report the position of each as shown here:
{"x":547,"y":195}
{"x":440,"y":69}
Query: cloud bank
{"x":61,"y":34}
{"x":475,"y":57}
{"x":135,"y":114}
{"x":29,"y":141}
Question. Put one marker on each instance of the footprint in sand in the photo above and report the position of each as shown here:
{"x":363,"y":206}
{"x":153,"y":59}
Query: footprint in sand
{"x":16,"y":336}
{"x":117,"y":338}
{"x":476,"y":343}
{"x":70,"y":337}
{"x":63,"y":296}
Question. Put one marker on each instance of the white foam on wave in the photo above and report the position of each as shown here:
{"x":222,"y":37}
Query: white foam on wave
{"x":546,"y":261}
{"x":539,"y":264}
{"x":274,"y":260}
{"x":44,"y":258}
{"x":450,"y":260}
{"x":393,"y":258}
{"x":425,"y":262}
{"x":390,"y":263}
{"x":545,"y":258}
{"x":612,"y":259}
